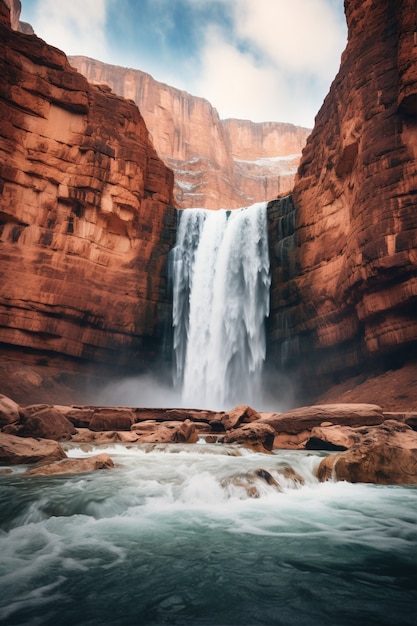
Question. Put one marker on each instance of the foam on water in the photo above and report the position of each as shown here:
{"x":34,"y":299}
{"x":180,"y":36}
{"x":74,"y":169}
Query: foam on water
{"x":172,"y":538}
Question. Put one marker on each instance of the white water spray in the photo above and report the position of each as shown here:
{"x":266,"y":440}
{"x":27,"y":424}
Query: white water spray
{"x":221,"y":299}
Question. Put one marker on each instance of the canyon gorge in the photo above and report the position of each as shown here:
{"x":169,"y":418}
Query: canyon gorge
{"x":207,"y":416}
{"x":90,"y":184}
{"x":216,"y":163}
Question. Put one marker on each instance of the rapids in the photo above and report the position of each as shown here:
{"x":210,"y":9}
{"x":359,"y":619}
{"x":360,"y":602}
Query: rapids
{"x":172,"y":536}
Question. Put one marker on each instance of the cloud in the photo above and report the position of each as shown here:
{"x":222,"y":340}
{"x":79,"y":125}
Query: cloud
{"x":232,"y":81}
{"x":264,"y":60}
{"x":298,"y":35}
{"x":76,"y":27}
{"x":276,"y":63}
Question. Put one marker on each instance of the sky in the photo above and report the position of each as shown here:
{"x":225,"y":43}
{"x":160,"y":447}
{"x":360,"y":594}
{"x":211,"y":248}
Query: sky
{"x":262,"y":60}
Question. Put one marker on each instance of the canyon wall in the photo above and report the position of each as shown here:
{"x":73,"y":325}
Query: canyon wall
{"x":86,"y":217}
{"x":345,"y":273}
{"x":217,"y":163}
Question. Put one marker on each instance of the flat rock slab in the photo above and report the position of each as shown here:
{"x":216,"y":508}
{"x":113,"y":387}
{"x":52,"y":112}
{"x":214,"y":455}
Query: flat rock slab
{"x":85,"y":435}
{"x":306,"y":418}
{"x":73,"y":466}
{"x":23,"y":450}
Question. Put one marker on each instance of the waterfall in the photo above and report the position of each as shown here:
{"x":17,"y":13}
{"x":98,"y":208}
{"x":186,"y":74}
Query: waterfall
{"x":221,"y":286}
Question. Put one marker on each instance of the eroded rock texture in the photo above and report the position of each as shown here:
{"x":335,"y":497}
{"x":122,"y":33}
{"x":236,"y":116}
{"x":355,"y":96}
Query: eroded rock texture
{"x":217,"y":163}
{"x":345,"y":279}
{"x":85,"y":212}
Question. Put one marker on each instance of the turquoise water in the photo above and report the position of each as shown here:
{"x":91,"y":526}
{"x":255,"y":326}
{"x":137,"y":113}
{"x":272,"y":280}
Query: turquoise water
{"x":169,"y":537}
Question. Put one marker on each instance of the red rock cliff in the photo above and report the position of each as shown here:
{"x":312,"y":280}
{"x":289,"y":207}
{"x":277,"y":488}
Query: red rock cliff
{"x":217,"y":163}
{"x":345,"y":280}
{"x":85,"y":217}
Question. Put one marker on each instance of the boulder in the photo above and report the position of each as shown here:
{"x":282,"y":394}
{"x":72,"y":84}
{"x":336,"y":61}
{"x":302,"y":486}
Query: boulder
{"x":334,"y":437}
{"x":171,"y":432}
{"x":256,"y":436}
{"x":112,"y":419}
{"x":45,"y":422}
{"x":80,"y":416}
{"x":73,"y":466}
{"x":386,"y":454}
{"x":242,"y":414}
{"x":19,"y":450}
{"x":9,"y":411}
{"x":250,"y":483}
{"x":289,"y":441}
{"x":185,"y":433}
{"x":291,"y":478}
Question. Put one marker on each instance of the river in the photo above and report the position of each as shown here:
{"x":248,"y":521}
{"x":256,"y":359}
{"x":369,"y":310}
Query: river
{"x":172,"y":535}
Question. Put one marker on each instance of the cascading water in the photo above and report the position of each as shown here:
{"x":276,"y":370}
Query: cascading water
{"x":221,"y":287}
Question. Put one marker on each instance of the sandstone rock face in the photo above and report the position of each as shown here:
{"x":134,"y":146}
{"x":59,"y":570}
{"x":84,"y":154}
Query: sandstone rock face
{"x":85,"y":212}
{"x":344,"y":278}
{"x":217,"y":163}
{"x":14,"y":6}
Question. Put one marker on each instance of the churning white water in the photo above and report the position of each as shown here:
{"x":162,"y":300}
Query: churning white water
{"x":221,"y":287}
{"x":197,"y":535}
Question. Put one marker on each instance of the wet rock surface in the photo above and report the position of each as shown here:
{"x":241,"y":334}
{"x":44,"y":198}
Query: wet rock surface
{"x":73,"y":466}
{"x":384,"y":454}
{"x":22,"y":450}
{"x":375,"y":447}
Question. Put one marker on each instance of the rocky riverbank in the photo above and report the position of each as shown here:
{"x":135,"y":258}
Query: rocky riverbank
{"x":371,"y":445}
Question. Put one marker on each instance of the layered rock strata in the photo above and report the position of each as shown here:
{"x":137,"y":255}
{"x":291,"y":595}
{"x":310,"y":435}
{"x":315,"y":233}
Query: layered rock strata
{"x":85,"y":213}
{"x":345,"y":295}
{"x":217,"y":163}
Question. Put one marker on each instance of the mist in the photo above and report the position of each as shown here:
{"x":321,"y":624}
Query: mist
{"x":149,"y":390}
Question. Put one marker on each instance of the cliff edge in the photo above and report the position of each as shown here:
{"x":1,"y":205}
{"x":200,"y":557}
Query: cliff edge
{"x":344,"y":293}
{"x":86,"y":218}
{"x":217,"y":163}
